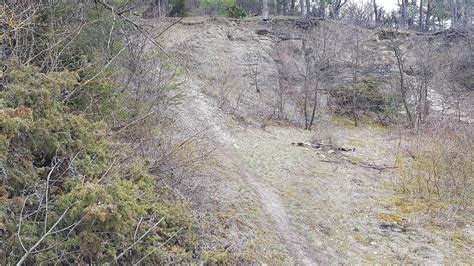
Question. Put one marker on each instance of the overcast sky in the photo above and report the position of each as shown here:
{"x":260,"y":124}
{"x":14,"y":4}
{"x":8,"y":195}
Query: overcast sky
{"x":388,"y":5}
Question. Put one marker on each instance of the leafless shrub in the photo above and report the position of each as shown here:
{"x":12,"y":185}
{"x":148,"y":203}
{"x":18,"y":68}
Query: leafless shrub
{"x":439,"y":167}
{"x":321,"y":48}
{"x":324,"y":134}
{"x":227,"y":88}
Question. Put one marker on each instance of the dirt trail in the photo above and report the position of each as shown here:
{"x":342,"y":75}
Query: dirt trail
{"x":297,"y":244}
{"x":201,"y":112}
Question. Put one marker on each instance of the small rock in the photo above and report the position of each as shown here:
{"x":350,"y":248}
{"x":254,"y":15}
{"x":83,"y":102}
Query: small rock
{"x":373,"y":243}
{"x":262,"y":31}
{"x":331,"y":151}
{"x":393,"y":227}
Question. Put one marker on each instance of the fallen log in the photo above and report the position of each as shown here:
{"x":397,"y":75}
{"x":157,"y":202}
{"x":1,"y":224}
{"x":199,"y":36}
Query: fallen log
{"x":332,"y":149}
{"x":320,"y":146}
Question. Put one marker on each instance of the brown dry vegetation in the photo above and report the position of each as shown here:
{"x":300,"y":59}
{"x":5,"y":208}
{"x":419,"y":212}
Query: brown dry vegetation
{"x":436,"y":170}
{"x":232,"y":141}
{"x":348,"y":206}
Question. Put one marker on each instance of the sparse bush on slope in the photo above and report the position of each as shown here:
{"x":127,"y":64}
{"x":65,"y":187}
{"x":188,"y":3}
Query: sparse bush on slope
{"x":439,"y":169}
{"x":74,"y":189}
{"x":69,"y":192}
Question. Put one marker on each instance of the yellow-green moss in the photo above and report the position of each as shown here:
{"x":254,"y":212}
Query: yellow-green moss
{"x":391,"y":218}
{"x":362,"y":239}
{"x":218,"y":256}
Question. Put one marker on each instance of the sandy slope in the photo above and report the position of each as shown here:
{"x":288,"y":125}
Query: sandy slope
{"x":288,"y":203}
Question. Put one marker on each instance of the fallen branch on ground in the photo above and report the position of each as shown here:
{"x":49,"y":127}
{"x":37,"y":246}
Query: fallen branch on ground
{"x":367,"y":164}
{"x":320,"y":146}
{"x":334,"y":148}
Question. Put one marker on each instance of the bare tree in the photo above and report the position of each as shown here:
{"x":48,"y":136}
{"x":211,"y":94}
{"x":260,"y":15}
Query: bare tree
{"x":429,"y":10}
{"x":395,"y":44}
{"x":454,"y":8}
{"x":283,"y":59}
{"x":424,"y":63}
{"x":293,"y":7}
{"x":420,"y":16}
{"x":356,"y":64}
{"x":336,"y":8}
{"x":284,"y":7}
{"x":404,"y":14}
{"x":359,"y":15}
{"x":376,"y":14}
{"x":302,"y":6}
{"x":321,"y":46}
{"x":308,"y":9}
{"x":322,"y":9}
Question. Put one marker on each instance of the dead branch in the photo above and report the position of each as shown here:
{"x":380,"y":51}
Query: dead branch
{"x":27,"y":253}
{"x":151,"y":252}
{"x":47,"y":194}
{"x":345,"y":157}
{"x":139,"y":239}
{"x":131,"y":22}
{"x":367,"y":164}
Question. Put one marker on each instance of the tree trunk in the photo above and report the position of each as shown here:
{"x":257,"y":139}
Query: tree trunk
{"x":429,"y":10}
{"x":403,"y":88}
{"x":376,"y":15}
{"x":315,"y":104}
{"x":285,"y":7}
{"x":354,"y":107}
{"x":411,"y":15}
{"x":337,"y":8}
{"x":355,"y":76}
{"x":265,"y":10}
{"x":453,"y":6}
{"x":404,"y":14}
{"x":467,"y":18}
{"x":292,"y":7}
{"x":308,"y":9}
{"x":303,"y":10}
{"x":420,"y":21}
{"x":322,"y":9}
{"x":305,"y":103}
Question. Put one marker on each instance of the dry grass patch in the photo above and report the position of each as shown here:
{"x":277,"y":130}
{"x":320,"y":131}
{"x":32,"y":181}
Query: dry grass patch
{"x":440,"y":169}
{"x":391,"y":218}
{"x":356,"y":143}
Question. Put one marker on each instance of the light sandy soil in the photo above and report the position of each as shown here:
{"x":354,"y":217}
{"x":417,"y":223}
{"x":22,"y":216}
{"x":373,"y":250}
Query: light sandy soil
{"x":200,"y":112}
{"x":316,"y":203}
{"x":281,"y":203}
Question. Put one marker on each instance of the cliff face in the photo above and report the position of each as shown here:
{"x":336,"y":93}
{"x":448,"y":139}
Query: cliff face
{"x":256,"y":70}
{"x":245,"y":65}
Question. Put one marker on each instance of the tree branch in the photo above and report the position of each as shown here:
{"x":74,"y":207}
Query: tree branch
{"x":27,"y":253}
{"x":139,"y":239}
{"x":151,"y":252}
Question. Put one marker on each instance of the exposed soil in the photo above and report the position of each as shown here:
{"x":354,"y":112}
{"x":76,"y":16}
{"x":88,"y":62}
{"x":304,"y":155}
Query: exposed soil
{"x":299,"y":204}
{"x":273,"y":207}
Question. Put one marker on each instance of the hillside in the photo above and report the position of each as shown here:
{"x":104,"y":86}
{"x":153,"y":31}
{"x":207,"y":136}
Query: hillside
{"x":236,"y":132}
{"x":277,"y":201}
